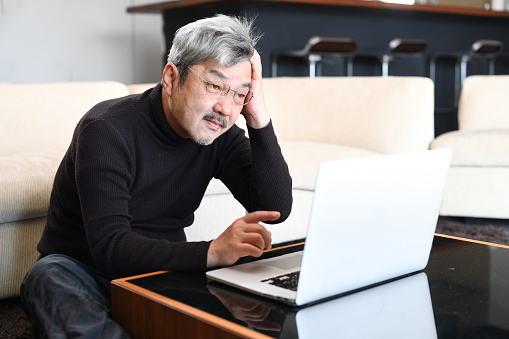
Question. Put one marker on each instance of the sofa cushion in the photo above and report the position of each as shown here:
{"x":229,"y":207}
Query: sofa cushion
{"x":486,"y":147}
{"x":304,"y":159}
{"x":26,"y":180}
{"x":477,"y":192}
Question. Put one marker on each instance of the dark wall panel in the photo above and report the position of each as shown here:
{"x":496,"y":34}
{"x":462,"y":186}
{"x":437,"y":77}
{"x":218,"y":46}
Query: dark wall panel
{"x":289,"y":26}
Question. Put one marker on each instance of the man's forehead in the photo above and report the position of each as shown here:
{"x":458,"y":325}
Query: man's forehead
{"x":237,"y":72}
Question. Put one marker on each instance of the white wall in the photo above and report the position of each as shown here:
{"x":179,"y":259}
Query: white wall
{"x":79,"y":40}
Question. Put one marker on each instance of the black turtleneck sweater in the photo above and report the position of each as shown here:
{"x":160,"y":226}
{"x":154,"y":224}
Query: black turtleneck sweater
{"x":128,"y":186}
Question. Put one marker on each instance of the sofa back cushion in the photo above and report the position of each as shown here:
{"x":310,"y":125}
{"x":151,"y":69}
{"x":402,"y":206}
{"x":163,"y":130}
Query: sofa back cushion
{"x":381,"y":114}
{"x":39,"y":116}
{"x":484,"y":102}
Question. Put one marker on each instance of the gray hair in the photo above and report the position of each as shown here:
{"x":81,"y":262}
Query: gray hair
{"x":226,"y":41}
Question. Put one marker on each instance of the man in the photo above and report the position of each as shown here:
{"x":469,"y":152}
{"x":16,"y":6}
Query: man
{"x":137,"y":169}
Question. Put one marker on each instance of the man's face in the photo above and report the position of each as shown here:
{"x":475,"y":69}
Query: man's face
{"x":193,"y":113}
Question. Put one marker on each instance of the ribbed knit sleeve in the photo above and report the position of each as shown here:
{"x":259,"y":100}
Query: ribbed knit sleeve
{"x":258,"y":177}
{"x":104,"y":167}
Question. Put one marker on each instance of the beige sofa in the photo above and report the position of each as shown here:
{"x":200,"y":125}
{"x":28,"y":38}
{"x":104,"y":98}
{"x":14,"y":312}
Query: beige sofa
{"x":316,"y":120}
{"x":36,"y":126}
{"x":478,"y":181}
{"x":326,"y":118}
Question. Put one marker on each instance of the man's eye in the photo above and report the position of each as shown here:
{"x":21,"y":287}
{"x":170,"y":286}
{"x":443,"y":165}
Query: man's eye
{"x":241,"y":96}
{"x":215,"y":87}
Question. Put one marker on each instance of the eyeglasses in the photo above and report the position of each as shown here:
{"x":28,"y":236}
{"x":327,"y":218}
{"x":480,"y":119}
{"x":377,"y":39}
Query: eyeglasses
{"x":219,"y":89}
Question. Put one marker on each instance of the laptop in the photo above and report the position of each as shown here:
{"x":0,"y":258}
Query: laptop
{"x":372,"y":219}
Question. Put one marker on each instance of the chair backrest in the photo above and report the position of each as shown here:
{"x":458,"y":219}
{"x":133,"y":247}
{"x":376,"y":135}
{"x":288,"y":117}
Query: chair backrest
{"x":407,"y":47}
{"x":330,"y":45}
{"x":484,"y":102}
{"x":486,"y":48}
{"x":38,"y":116}
{"x":383,"y":114}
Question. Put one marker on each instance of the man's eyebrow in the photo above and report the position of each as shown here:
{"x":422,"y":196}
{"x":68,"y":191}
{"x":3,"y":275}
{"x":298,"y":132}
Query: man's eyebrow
{"x":224,"y":78}
{"x":218,"y":74}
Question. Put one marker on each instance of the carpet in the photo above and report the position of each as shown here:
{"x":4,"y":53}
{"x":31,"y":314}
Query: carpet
{"x":15,"y":324}
{"x":481,"y":232}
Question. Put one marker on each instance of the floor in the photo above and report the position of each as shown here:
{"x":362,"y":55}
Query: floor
{"x":15,"y":325}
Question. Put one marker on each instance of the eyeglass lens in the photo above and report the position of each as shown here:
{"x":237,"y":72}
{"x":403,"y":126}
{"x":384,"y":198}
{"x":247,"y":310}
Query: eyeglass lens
{"x":220,"y":89}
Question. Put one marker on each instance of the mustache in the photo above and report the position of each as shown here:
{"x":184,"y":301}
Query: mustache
{"x":217,"y":118}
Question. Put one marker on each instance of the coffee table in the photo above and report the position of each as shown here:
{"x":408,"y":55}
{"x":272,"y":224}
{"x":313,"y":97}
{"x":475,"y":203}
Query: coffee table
{"x":462,"y":293}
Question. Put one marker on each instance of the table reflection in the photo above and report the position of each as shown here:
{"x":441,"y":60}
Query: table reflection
{"x":462,"y":293}
{"x":398,"y":309}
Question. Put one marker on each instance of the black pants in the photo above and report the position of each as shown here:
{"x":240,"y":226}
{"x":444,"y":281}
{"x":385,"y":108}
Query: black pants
{"x":65,"y":299}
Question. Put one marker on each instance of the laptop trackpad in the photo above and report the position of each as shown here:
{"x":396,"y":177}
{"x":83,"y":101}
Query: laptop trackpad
{"x":286,"y":262}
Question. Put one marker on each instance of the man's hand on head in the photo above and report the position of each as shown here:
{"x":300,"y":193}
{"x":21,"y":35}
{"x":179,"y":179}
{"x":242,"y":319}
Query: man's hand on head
{"x":255,"y":112}
{"x":244,"y":237}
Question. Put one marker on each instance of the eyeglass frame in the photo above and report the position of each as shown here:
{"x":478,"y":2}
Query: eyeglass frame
{"x":225,"y":92}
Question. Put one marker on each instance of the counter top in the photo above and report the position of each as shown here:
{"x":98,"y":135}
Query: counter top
{"x":446,"y":9}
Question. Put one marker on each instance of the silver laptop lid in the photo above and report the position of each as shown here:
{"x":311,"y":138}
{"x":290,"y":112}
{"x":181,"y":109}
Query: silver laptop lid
{"x":372,"y":219}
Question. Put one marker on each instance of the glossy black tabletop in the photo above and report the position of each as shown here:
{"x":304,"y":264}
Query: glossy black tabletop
{"x":462,"y":293}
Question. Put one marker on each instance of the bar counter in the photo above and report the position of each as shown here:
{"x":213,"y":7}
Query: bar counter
{"x":288,"y":24}
{"x":436,"y":8}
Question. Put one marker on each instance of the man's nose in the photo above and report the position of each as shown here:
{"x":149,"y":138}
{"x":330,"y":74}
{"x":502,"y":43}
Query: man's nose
{"x":225,"y":105}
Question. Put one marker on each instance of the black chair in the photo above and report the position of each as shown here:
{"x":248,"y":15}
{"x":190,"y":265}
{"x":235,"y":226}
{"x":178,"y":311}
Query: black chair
{"x":398,"y":48}
{"x":499,"y":64}
{"x":480,"y":49}
{"x":317,"y":48}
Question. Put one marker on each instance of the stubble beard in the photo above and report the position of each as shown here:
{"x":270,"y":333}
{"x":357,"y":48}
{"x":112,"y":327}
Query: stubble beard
{"x":213,"y":117}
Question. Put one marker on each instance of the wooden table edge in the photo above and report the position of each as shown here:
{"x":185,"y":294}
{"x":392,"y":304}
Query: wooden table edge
{"x":190,"y":311}
{"x":471,"y":240}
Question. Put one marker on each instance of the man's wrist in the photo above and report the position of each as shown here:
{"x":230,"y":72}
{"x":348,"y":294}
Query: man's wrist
{"x":258,"y":123}
{"x":212,"y":260}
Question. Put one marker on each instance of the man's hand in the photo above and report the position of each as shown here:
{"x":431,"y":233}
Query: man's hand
{"x":244,"y":237}
{"x":252,"y":313}
{"x":255,"y":112}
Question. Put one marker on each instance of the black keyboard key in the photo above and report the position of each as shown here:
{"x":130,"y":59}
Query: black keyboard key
{"x":288,"y":281}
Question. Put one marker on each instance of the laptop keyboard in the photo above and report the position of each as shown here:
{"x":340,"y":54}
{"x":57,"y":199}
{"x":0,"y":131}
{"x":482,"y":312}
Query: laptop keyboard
{"x":288,"y":281}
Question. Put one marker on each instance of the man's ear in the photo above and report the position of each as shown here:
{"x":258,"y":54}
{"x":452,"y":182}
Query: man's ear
{"x":170,"y":78}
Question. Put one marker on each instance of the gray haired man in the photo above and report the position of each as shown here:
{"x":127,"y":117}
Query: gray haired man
{"x":137,"y":169}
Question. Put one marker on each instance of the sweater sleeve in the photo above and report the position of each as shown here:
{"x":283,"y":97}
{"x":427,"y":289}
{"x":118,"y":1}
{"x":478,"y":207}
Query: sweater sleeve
{"x":257,"y":175}
{"x":104,"y":174}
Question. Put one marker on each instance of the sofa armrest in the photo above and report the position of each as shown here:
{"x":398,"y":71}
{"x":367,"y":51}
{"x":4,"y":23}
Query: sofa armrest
{"x":26,"y":180}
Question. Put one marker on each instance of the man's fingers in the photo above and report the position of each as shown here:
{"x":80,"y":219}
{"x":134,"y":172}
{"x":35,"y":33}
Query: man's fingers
{"x":247,"y":249}
{"x":244,"y":237}
{"x":259,"y":216}
{"x":259,"y":238}
{"x":254,"y":218}
{"x":256,"y":64}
